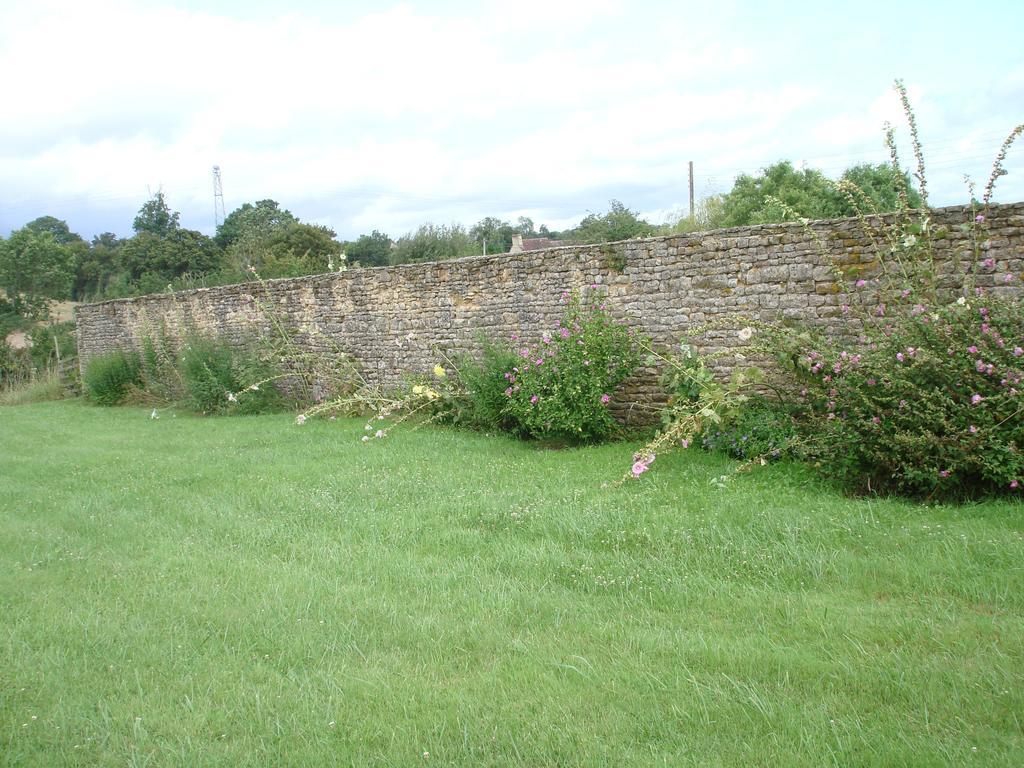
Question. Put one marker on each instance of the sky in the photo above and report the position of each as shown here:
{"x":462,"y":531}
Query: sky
{"x":387,"y":115}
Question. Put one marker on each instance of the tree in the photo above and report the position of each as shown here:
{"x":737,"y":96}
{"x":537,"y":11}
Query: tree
{"x":881,"y":185}
{"x":96,"y":266}
{"x":373,"y":250}
{"x":810,"y":193}
{"x":155,"y":217}
{"x":434,"y":243}
{"x":56,"y":227}
{"x":300,"y":248}
{"x":35,"y":268}
{"x":253,"y":221}
{"x":165,"y":258}
{"x":496,"y":233}
{"x":619,"y":223}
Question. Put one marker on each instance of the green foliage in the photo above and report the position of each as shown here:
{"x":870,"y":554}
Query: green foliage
{"x":709,"y":214}
{"x":34,"y":268}
{"x":880,"y":188}
{"x":761,"y":428}
{"x":156,"y":218}
{"x":221,"y":380}
{"x":16,"y":365}
{"x":110,"y":378}
{"x":807,"y":191}
{"x":97,"y":267}
{"x":52,"y":342}
{"x":810,"y":194}
{"x":685,"y":378}
{"x":434,"y":243}
{"x":619,"y":223}
{"x":56,"y":227}
{"x":373,"y":250}
{"x":153,"y":261}
{"x":300,"y":249}
{"x":561,"y":386}
{"x":483,"y":380}
{"x":931,"y":405}
{"x":253,"y":222}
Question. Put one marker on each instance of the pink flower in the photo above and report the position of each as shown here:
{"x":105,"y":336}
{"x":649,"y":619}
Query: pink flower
{"x":1007,"y":277}
{"x":605,"y":399}
{"x":979,"y":218}
{"x":508,"y":392}
{"x":989,"y":263}
{"x":539,"y":361}
{"x":944,"y":473}
{"x":563,"y":332}
{"x":861,"y":283}
{"x":524,"y":352}
{"x":1013,"y":483}
{"x":534,"y":399}
{"x":1017,"y":351}
{"x":972,"y":349}
{"x":639,"y":468}
{"x":973,"y":429}
{"x":899,"y":356}
{"x":871,"y":382}
{"x":685,"y":442}
{"x":845,"y":309}
{"x":875,"y":420}
{"x":975,"y":399}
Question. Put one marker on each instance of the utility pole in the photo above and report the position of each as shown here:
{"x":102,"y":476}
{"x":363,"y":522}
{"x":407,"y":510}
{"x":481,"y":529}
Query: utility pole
{"x":691,"y":190}
{"x":218,"y":199}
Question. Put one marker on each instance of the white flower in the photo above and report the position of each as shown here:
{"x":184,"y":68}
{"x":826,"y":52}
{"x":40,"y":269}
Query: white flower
{"x":254,"y":387}
{"x":154,"y":414}
{"x":379,"y":433}
{"x":961,"y":301}
{"x":232,"y":398}
{"x":300,"y":419}
{"x":365,"y":438}
{"x":746,"y":333}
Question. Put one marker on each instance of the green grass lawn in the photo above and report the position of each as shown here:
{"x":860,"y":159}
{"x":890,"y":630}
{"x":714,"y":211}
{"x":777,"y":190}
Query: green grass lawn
{"x":246,"y":592}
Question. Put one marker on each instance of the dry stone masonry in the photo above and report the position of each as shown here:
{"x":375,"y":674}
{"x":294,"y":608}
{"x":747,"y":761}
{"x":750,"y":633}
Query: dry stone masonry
{"x":395,"y":320}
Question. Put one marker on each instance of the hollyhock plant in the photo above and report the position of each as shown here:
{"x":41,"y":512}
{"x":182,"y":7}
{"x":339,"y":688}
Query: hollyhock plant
{"x":565,"y":395}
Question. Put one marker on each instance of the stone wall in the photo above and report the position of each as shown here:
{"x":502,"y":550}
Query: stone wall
{"x":392,"y":320}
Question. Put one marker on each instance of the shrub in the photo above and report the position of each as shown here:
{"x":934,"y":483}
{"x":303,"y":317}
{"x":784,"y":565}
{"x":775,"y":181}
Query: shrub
{"x":219,"y":379}
{"x":483,"y":383}
{"x":561,"y":387}
{"x":931,"y":407}
{"x":760,"y":428}
{"x":110,"y":378}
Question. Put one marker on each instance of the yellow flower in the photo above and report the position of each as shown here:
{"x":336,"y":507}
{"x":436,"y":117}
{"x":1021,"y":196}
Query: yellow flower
{"x":418,"y":389}
{"x":439,"y":372}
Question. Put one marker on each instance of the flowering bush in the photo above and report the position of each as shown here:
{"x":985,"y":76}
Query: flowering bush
{"x":562,"y":385}
{"x":929,"y":405}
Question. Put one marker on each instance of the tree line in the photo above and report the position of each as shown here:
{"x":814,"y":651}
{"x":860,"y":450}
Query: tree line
{"x":44,"y":260}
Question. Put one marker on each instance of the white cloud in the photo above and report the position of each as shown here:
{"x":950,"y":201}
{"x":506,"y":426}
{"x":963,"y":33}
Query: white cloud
{"x":405,"y":114}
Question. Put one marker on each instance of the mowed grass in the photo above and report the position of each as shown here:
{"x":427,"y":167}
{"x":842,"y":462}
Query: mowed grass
{"x":246,"y":592}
